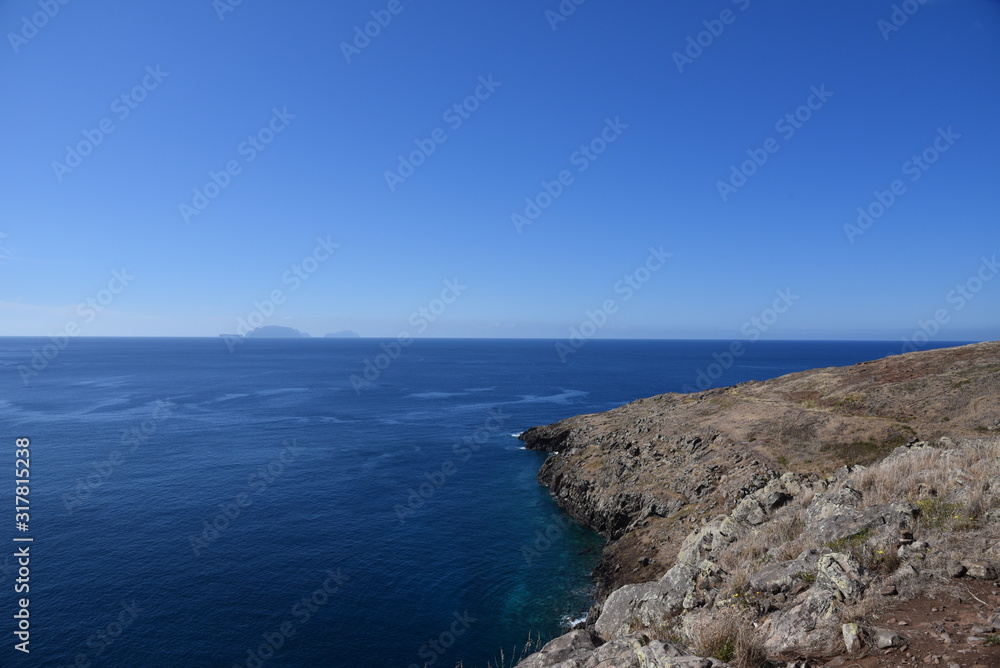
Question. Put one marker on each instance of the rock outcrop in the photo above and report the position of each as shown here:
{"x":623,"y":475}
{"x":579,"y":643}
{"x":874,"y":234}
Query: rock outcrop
{"x":711,"y":537}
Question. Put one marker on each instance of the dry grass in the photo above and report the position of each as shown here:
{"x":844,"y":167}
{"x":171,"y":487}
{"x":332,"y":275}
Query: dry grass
{"x":728,"y":635}
{"x":962,"y":472}
{"x":781,"y":538}
{"x":532,"y":645}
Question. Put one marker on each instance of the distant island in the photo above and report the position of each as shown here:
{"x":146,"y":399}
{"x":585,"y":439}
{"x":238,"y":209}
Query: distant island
{"x":270,"y":332}
{"x":280,"y":332}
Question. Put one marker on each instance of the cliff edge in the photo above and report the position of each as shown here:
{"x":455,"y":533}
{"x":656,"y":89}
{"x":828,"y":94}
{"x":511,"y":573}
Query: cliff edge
{"x":698,"y":493}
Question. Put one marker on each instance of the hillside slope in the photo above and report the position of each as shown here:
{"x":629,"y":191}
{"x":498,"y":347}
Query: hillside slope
{"x":646,"y":473}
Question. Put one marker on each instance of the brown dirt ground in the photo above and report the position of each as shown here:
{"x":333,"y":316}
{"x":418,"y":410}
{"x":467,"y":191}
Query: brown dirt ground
{"x":937,"y":627}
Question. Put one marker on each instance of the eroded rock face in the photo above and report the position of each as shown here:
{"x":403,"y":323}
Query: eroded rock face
{"x":647,"y":605}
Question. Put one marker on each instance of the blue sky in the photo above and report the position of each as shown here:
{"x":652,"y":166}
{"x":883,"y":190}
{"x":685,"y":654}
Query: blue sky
{"x":203,"y":81}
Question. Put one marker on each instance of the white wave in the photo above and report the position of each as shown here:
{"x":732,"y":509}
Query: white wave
{"x":560,"y":398}
{"x":227,"y":397}
{"x":281,"y":390}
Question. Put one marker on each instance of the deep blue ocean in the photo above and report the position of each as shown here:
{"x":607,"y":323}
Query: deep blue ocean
{"x":195,"y":507}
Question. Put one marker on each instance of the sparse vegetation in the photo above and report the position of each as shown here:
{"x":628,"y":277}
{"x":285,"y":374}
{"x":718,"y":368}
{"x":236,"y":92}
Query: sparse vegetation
{"x":806,"y":576}
{"x":728,"y":635}
{"x":532,"y":645}
{"x":959,"y":474}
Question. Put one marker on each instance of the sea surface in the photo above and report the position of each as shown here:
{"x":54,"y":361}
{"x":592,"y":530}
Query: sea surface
{"x":192,"y":506}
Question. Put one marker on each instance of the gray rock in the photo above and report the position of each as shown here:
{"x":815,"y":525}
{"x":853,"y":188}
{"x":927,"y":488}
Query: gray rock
{"x":692,"y":662}
{"x":981,"y":570}
{"x":572,"y":650}
{"x":914,"y":550}
{"x":620,"y":653}
{"x":852,"y":637}
{"x":886,"y":638}
{"x":954,"y":569}
{"x":809,"y":628}
{"x":646,"y":605}
{"x":657,"y":653}
{"x":699,"y":544}
{"x":842,"y":574}
{"x":780,"y":577}
{"x":775,"y":500}
{"x":830,"y":521}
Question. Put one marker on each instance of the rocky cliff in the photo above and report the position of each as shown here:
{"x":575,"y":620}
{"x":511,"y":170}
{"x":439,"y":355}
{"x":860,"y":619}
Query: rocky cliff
{"x":708,"y":495}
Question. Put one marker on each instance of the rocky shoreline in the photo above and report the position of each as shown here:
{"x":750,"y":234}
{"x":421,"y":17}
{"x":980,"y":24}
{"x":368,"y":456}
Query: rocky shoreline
{"x":705,"y":497}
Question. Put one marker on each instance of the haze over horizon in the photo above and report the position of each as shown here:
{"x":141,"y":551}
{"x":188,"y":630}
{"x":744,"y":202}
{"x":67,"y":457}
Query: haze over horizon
{"x":811,"y":171}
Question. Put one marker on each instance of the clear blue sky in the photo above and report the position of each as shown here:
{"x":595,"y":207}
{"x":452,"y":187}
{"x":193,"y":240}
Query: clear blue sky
{"x":894,"y":93}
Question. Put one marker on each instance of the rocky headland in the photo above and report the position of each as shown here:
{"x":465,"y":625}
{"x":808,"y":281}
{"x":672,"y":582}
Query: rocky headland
{"x":794,"y":521}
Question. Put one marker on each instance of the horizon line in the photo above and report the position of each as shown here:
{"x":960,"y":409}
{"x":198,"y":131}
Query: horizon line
{"x":482,"y":338}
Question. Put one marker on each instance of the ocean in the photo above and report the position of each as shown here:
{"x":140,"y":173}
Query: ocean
{"x":310,"y":503}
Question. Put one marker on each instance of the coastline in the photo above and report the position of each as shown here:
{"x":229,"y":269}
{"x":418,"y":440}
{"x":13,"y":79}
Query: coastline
{"x":649,"y":474}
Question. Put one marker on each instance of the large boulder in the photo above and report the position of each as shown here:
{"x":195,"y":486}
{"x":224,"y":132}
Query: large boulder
{"x":783,"y":576}
{"x":808,"y":628}
{"x":646,"y":605}
{"x":830,"y":521}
